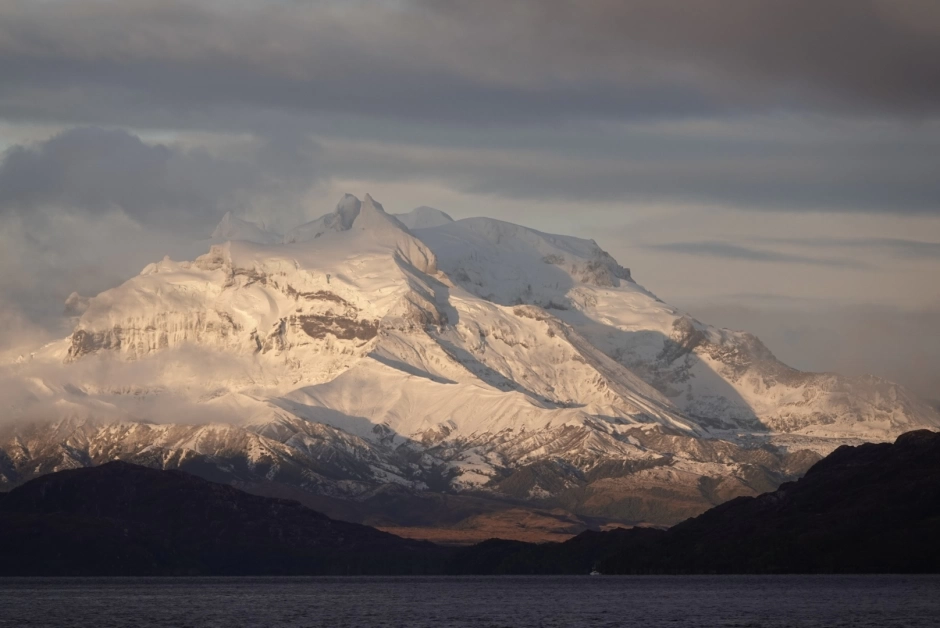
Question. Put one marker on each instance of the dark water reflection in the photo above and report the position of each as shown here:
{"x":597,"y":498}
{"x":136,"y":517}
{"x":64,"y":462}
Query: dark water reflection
{"x":518,"y":602}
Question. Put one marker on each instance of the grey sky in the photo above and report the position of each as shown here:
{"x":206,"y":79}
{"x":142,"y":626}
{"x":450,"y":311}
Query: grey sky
{"x":725,"y":250}
{"x":720,"y":148}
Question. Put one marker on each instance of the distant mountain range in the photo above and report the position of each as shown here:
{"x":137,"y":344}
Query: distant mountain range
{"x":413,"y":371}
{"x":866,"y":509}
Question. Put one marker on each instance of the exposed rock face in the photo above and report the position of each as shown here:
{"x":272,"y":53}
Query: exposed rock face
{"x":453,"y":356}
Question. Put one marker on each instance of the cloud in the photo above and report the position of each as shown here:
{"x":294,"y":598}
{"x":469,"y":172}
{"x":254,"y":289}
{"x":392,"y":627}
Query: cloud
{"x":878,"y":54}
{"x":667,"y":164}
{"x":726,"y":250}
{"x":19,"y":334}
{"x":97,"y":171}
{"x":477,"y":61}
{"x":87,"y":208}
{"x":185,"y":110}
{"x":38,"y":388}
{"x":897,"y":247}
{"x":44,"y":260}
{"x":760,"y":105}
{"x":396,"y":60}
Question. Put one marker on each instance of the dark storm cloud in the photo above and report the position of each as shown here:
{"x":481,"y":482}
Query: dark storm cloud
{"x":551,"y":78}
{"x":850,"y":53}
{"x":554,"y":78}
{"x":496,"y":60}
{"x":97,"y":171}
{"x":725,"y":250}
{"x":366,"y":59}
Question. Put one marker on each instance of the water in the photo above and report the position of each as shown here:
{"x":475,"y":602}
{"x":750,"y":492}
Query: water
{"x":441,"y":602}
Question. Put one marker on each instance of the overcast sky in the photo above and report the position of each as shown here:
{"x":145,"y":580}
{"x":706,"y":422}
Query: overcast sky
{"x":771,"y":166}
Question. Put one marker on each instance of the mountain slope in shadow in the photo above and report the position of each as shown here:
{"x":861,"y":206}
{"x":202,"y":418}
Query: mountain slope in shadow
{"x":874,"y":508}
{"x":866,"y":509}
{"x":123,"y":519}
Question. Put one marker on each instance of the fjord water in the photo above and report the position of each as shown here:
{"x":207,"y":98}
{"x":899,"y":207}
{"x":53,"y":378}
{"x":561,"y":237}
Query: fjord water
{"x":451,"y":602}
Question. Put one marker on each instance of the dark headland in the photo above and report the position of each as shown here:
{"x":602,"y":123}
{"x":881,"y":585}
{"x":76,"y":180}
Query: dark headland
{"x":874,"y":508}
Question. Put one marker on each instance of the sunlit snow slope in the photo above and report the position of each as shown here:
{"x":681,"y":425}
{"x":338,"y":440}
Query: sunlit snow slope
{"x":364,"y":349}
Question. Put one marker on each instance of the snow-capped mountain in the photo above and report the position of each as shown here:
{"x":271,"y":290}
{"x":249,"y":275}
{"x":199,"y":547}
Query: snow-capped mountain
{"x":232,"y":228}
{"x":364,"y":350}
{"x":424,"y":217}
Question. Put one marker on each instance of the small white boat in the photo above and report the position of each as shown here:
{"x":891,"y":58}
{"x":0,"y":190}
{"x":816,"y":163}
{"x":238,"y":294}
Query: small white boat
{"x":595,"y":572}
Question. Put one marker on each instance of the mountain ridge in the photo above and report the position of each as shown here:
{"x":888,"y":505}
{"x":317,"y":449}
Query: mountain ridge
{"x":122,"y":519}
{"x":872,"y":508}
{"x":472,"y":356}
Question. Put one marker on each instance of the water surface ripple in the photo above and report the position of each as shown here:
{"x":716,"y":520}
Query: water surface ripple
{"x":443,"y":602}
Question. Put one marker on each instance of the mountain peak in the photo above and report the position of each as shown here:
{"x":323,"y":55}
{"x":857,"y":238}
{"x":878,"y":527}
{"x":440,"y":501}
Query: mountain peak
{"x":512,"y":360}
{"x":347,"y":210}
{"x":373,"y":216}
{"x":424,"y":217}
{"x":340,"y":219}
{"x":232,"y":228}
{"x":224,"y":227}
{"x":350,"y":212}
